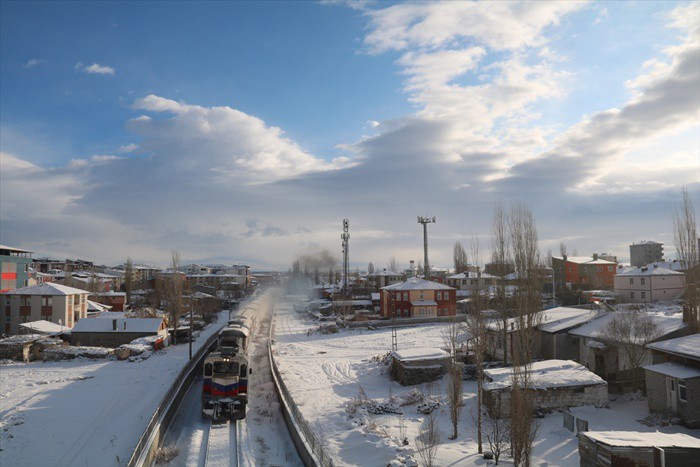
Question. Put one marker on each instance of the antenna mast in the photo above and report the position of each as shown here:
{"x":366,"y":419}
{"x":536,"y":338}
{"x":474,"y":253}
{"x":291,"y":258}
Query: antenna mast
{"x":345,"y":236}
{"x":425,"y":221}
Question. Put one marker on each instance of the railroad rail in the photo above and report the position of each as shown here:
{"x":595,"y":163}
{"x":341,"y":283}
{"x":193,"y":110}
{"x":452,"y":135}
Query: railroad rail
{"x":222,"y":446}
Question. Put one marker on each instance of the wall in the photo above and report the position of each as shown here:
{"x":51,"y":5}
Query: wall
{"x":553,"y":399}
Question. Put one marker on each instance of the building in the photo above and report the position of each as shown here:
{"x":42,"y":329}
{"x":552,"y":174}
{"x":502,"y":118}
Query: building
{"x":673,"y":381}
{"x":583,"y":271}
{"x":115,"y":300}
{"x":417,"y":298}
{"x":383,"y":278}
{"x":648,"y":284}
{"x":472,"y":281}
{"x":14,"y":268}
{"x":606,"y":358}
{"x":418,"y":365}
{"x":637,"y":449}
{"x":48,"y":301}
{"x":556,"y":384}
{"x":644,"y":253}
{"x":113,"y":332}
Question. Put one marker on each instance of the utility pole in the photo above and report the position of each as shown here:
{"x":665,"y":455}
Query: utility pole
{"x":345,"y":236}
{"x":425,"y":221}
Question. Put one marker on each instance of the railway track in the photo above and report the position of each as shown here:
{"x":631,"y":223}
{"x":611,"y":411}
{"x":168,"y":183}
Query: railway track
{"x":222,"y":447}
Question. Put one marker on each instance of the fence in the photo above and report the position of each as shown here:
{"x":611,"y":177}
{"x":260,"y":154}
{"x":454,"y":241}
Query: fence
{"x":160,"y":421}
{"x":309,"y":446}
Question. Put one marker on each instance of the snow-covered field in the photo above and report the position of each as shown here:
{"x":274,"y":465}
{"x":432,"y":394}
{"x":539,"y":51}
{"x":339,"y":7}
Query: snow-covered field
{"x":83,"y":412}
{"x":327,"y":372}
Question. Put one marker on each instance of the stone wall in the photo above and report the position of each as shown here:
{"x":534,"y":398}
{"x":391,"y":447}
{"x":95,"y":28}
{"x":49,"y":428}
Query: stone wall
{"x":553,"y":399}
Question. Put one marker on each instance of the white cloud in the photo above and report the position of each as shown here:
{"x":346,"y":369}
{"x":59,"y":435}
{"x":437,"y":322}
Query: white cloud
{"x":127,"y":148}
{"x":32,"y":62}
{"x":95,"y":69}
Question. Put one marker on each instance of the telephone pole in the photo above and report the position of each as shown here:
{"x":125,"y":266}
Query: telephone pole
{"x":345,"y":236}
{"x":425,"y":221}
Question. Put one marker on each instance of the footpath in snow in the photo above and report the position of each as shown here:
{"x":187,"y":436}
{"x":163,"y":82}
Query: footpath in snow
{"x":84,"y":412}
{"x":326,"y":373}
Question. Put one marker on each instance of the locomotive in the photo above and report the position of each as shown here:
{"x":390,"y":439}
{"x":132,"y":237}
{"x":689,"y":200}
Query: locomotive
{"x":225,"y":374}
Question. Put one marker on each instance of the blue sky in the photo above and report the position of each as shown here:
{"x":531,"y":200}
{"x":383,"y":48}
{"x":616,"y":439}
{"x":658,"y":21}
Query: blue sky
{"x":248,"y":130}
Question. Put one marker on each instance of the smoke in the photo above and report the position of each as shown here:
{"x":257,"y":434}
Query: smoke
{"x":312,"y":258}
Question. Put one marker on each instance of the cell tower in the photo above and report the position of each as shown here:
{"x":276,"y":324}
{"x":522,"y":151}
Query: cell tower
{"x":345,"y":236}
{"x":425,"y":221}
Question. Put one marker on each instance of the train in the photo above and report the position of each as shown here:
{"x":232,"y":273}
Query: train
{"x":225,"y":374}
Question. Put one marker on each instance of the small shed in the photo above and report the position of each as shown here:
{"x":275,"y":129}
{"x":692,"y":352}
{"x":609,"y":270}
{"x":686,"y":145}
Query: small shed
{"x":675,"y":387}
{"x":419,"y":365}
{"x":637,"y":449}
{"x":117,"y":331}
{"x":557,"y":384}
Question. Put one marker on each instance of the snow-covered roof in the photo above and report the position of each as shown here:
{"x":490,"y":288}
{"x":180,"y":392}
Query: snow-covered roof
{"x":546,"y":374}
{"x":95,"y":306}
{"x":111,"y":294}
{"x":123,"y":325}
{"x":561,"y":318}
{"x":424,"y":303}
{"x":643,"y":439}
{"x":375,"y":295}
{"x":417,"y":284}
{"x":112,"y":315}
{"x":44,"y":327}
{"x":584,"y":260}
{"x":648,"y":271}
{"x":47,"y":288}
{"x":420,"y":353}
{"x":665,"y":324}
{"x":384,"y":273}
{"x":16,"y":250}
{"x":472,"y":275}
{"x":688,"y":346}
{"x":675,"y":370}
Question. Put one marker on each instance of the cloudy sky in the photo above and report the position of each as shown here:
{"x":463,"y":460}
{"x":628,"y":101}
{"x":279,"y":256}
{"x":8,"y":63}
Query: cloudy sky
{"x":246,"y":132}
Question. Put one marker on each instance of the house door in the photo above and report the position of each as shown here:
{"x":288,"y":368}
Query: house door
{"x":671,"y":398}
{"x":599,"y":365}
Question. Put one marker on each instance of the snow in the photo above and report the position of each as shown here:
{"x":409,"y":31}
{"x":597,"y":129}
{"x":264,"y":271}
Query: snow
{"x":648,"y":271}
{"x":561,"y":318}
{"x":688,"y":346}
{"x":420,"y":353}
{"x":84,"y":412}
{"x":546,"y":374}
{"x":637,"y":439}
{"x":666,"y":325}
{"x":417,"y":284}
{"x":324,"y":373}
{"x":44,"y":327}
{"x":675,"y":370}
{"x":123,"y":325}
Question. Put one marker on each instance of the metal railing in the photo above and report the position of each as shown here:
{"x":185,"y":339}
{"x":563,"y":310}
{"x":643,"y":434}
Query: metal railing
{"x":157,"y":427}
{"x":309,"y":446}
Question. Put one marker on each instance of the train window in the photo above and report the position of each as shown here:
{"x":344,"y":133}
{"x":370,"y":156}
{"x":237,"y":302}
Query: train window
{"x":244,"y":370}
{"x":207,"y":369}
{"x":226,"y":368}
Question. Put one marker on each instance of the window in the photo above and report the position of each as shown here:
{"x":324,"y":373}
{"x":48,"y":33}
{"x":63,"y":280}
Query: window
{"x":609,"y":268}
{"x":439,"y":295}
{"x":47,"y":301}
{"x":681,"y":390}
{"x":570,"y":270}
{"x":644,"y":295}
{"x":421,"y":295}
{"x":631,"y":295}
{"x":405,"y":295}
{"x":642,"y":280}
{"x":631,"y":281}
{"x":585,"y":269}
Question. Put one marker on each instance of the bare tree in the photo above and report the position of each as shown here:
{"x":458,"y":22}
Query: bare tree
{"x":173,"y":286}
{"x":428,"y":440}
{"x":685,"y":236}
{"x":630,"y":331}
{"x":476,"y":328}
{"x":524,"y":242}
{"x":500,"y":257}
{"x":455,"y":401}
{"x":459,"y":257}
{"x":370,"y":267}
{"x":393,"y":264}
{"x":497,"y":429}
{"x":562,"y":249}
{"x":128,"y":278}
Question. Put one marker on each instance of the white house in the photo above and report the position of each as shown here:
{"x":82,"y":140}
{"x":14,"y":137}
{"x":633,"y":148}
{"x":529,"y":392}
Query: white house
{"x":648,"y":284}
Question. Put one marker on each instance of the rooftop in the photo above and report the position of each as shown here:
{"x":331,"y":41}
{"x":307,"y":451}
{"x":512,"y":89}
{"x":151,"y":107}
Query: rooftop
{"x":688,"y":346}
{"x":648,"y":271}
{"x":47,"y":288}
{"x":642,"y":439}
{"x":675,"y":370}
{"x":665,"y":324}
{"x":123,"y":325}
{"x":415,"y":283}
{"x":546,"y":374}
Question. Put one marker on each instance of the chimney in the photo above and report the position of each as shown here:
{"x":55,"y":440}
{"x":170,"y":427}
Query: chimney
{"x":564,"y":257}
{"x":595,"y":256}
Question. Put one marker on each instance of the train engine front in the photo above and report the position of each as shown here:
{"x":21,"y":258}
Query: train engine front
{"x":225,"y":388}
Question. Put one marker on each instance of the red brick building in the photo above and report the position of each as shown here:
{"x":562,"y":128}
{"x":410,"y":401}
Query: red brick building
{"x":417,"y":298}
{"x":584,"y":271}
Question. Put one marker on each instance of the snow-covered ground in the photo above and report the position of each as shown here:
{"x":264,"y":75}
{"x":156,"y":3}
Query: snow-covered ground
{"x":84,"y":412}
{"x":327,"y":372}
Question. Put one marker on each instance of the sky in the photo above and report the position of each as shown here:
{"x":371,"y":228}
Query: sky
{"x":247,"y":131}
